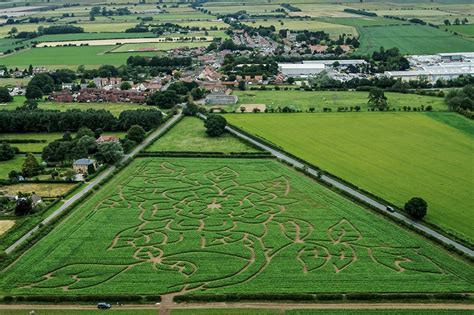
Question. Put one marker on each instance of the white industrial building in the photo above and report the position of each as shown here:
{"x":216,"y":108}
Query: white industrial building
{"x":433,"y":73}
{"x":314,"y":67}
{"x":300,"y":69}
{"x":343,"y":63}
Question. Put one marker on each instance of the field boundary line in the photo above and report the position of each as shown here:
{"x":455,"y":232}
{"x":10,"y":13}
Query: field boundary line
{"x":417,"y":226}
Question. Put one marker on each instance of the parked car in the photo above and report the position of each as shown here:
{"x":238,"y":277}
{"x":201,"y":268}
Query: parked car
{"x":390,"y":209}
{"x":103,"y":306}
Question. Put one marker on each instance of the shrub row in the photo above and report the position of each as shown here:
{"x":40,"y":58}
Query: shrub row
{"x":320,"y":297}
{"x":207,"y":154}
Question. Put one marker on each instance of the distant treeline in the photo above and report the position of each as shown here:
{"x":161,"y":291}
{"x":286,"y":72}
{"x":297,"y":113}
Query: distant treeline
{"x":72,"y":120}
{"x":360,"y":12}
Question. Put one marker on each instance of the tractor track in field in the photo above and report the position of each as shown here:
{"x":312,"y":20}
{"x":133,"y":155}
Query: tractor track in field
{"x":252,"y":305}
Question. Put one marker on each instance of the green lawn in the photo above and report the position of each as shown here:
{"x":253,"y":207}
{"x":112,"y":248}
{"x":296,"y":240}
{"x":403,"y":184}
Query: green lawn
{"x":190,"y":135}
{"x":333,"y":99}
{"x":411,"y":39}
{"x":228,"y":226}
{"x":70,"y":57}
{"x":394,"y":155}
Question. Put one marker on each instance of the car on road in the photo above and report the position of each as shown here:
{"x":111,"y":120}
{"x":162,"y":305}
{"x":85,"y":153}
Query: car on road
{"x":103,"y":306}
{"x":390,"y":209}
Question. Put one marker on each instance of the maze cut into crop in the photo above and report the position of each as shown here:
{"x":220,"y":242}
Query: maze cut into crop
{"x":167,"y":226}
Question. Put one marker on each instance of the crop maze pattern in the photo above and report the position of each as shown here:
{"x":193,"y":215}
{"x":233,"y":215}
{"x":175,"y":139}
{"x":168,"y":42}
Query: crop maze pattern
{"x":184,"y":217}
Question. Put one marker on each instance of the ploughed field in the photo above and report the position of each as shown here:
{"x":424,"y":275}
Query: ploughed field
{"x":184,"y":225}
{"x":393,"y":155}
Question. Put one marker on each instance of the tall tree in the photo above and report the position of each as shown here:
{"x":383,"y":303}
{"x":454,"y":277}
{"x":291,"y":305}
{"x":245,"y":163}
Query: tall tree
{"x":31,"y":166}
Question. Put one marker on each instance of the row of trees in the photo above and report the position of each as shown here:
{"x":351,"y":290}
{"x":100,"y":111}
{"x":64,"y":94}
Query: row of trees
{"x":73,"y":120}
{"x":463,"y":98}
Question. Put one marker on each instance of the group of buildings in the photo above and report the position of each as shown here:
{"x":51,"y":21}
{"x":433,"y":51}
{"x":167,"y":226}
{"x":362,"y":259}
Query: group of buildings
{"x":444,"y":66}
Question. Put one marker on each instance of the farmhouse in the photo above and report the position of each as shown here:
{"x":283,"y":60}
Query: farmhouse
{"x":220,"y":98}
{"x":111,"y":82}
{"x":103,"y":139}
{"x":83,"y":166}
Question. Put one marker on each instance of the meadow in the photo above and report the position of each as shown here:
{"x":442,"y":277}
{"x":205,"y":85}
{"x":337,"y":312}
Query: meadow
{"x":411,"y":39}
{"x":190,"y":135}
{"x":312,"y":25}
{"x":228,"y":226}
{"x":68,"y":57}
{"x":332,"y":99}
{"x":393,"y":155}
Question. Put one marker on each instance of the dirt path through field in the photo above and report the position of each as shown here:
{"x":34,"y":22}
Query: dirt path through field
{"x":168,"y":306}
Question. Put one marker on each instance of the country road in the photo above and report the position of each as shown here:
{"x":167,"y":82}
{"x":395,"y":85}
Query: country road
{"x":94,"y":182}
{"x":417,"y":225}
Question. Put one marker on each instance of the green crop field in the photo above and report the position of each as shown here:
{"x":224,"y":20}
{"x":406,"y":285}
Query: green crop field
{"x":464,"y":30}
{"x":196,"y":225}
{"x":315,"y":312}
{"x":58,"y":57}
{"x":394,"y":155}
{"x":411,"y":39}
{"x":332,"y":99}
{"x":190,"y":135}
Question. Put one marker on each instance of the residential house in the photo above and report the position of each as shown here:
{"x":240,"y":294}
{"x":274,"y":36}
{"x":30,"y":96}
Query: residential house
{"x":84,"y":166}
{"x":104,"y":138}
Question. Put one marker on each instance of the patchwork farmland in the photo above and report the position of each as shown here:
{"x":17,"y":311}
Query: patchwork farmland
{"x":178,"y":220}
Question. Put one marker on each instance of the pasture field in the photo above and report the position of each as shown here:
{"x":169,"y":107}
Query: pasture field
{"x":42,"y":189}
{"x":465,"y":30}
{"x":311,"y":25}
{"x":157,"y":46}
{"x":393,"y":155}
{"x":411,"y":39}
{"x":190,"y":135}
{"x":13,"y":164}
{"x":228,"y":226}
{"x":332,"y":99}
{"x":316,"y":312}
{"x":44,"y":137}
{"x":68,"y":57}
{"x":251,"y":8}
{"x":12,"y":82}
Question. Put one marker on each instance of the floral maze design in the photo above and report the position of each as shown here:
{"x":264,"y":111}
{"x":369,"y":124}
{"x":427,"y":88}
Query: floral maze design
{"x":187,"y":219}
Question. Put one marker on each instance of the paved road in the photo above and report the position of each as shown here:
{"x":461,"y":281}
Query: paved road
{"x":354,"y":193}
{"x":93,"y":183}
